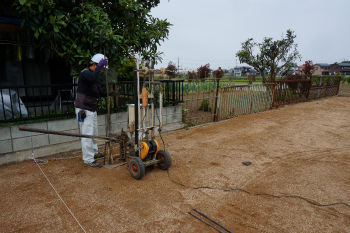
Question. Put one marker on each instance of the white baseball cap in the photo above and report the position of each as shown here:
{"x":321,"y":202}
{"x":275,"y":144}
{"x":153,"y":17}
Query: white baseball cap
{"x":98,"y":57}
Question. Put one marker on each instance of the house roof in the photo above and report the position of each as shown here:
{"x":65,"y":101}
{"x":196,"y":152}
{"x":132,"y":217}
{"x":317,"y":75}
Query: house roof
{"x":322,"y":64}
{"x":240,"y":67}
{"x":342,"y":63}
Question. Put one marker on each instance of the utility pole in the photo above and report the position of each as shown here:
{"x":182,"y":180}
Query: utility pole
{"x":178,"y":63}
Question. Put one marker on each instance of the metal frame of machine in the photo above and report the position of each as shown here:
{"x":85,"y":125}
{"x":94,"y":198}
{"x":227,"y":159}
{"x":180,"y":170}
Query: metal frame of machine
{"x":147,"y":152}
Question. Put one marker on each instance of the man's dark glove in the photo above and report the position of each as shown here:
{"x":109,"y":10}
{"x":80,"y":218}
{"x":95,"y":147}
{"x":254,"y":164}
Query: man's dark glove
{"x":113,"y":93}
{"x":103,"y":62}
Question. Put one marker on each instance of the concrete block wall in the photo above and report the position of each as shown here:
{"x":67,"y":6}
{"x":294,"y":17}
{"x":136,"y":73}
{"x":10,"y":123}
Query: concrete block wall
{"x":16,"y":145}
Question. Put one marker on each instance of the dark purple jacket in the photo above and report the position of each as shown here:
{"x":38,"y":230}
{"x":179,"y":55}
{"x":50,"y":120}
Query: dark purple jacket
{"x":89,"y":89}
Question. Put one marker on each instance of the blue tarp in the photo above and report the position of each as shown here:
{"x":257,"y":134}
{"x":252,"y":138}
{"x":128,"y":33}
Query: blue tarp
{"x":14,"y":21}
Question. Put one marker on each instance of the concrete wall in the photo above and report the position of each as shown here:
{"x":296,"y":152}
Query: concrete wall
{"x":16,"y":145}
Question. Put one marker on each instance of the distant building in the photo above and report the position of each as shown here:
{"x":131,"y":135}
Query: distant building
{"x":292,"y":71}
{"x":301,"y":68}
{"x":343,"y":68}
{"x":321,"y":69}
{"x":244,"y":71}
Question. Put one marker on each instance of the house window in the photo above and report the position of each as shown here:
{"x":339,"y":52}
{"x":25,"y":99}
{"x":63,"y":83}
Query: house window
{"x":22,"y":63}
{"x":11,"y":54}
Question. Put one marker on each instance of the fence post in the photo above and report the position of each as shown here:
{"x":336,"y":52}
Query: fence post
{"x":338,"y":85}
{"x":216,"y":99}
{"x":319,"y":90}
{"x":174,"y":93}
{"x":308,"y":91}
{"x":273,"y":94}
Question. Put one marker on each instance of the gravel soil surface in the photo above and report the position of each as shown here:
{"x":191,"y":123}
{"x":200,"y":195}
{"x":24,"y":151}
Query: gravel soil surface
{"x":300,"y":149}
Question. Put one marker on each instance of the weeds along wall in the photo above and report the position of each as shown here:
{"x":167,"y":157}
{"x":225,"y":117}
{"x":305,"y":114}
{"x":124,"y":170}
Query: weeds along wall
{"x":16,"y":145}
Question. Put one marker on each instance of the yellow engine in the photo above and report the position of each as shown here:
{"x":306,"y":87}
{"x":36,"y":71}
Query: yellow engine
{"x":149,"y":149}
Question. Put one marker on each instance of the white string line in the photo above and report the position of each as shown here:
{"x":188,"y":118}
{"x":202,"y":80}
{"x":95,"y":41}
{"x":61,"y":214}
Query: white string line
{"x":60,"y":196}
{"x":41,"y":161}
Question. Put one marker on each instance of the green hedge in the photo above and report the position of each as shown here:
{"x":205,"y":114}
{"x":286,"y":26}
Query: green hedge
{"x":345,"y":80}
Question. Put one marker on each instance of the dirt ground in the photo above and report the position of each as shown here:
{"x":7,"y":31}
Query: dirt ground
{"x":300,"y":149}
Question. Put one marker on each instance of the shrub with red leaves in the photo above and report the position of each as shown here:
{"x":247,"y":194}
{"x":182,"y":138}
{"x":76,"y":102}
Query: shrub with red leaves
{"x":171,"y":70}
{"x":192,"y":76}
{"x":309,"y":68}
{"x":219,"y":73}
{"x":204,"y":71}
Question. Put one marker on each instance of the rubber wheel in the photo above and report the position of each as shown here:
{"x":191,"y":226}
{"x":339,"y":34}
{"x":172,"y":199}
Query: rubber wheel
{"x":165,"y":158}
{"x":136,"y":168}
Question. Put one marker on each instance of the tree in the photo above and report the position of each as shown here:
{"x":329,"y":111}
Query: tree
{"x":126,"y":71}
{"x":77,"y":29}
{"x":275,"y":56}
{"x":204,"y":71}
{"x":219,"y":73}
{"x":171,"y":70}
{"x":245,"y":55}
{"x":191,"y":76}
{"x":308,"y":68}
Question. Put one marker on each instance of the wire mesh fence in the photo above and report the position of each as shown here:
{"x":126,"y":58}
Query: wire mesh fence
{"x":200,"y":100}
{"x":323,"y":86}
{"x":234,"y":101}
{"x":291,"y":91}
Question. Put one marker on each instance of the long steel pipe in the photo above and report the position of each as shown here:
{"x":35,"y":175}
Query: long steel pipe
{"x":67,"y":134}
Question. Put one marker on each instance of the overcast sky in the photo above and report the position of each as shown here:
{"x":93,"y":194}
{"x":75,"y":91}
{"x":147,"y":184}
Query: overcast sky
{"x":211,"y":31}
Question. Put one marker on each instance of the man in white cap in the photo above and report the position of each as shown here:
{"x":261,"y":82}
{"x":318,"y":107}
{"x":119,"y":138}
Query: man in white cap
{"x":88,"y":93}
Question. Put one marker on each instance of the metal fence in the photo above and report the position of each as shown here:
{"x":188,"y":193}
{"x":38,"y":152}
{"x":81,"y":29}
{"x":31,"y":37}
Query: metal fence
{"x":30,"y":102}
{"x":234,"y":101}
{"x":291,"y":91}
{"x":295,"y":91}
{"x":200,"y":100}
{"x":323,"y":86}
{"x":213,"y":100}
{"x":204,"y":100}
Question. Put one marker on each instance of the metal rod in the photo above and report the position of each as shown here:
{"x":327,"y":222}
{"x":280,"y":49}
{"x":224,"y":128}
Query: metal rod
{"x":66,"y":133}
{"x":211,"y":225}
{"x":161,"y":109}
{"x":216,"y":98}
{"x":136,"y":112}
{"x":152,"y":106}
{"x":150,"y":70}
{"x":212,"y":220}
{"x":104,"y":157}
{"x":108,"y":100}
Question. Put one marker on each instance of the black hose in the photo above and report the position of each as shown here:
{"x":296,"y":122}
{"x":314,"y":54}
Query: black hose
{"x":259,"y":194}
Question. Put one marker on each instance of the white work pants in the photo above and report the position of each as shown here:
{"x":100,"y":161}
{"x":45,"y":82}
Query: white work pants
{"x":89,"y":127}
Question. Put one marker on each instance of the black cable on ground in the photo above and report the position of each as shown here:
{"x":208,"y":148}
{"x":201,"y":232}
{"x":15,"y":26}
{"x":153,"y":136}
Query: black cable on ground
{"x":257,"y":194}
